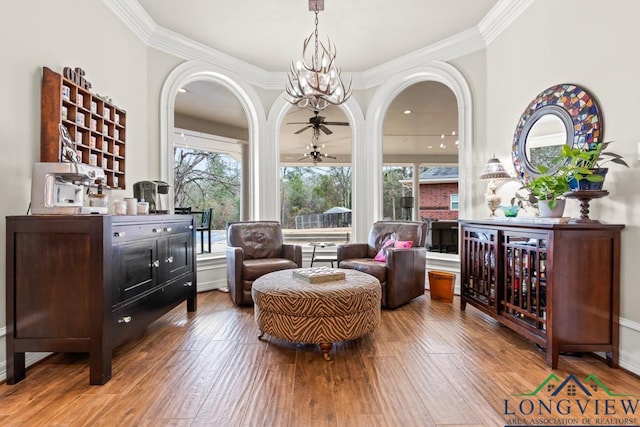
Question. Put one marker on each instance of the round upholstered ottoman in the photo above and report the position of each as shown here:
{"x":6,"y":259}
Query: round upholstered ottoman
{"x":289,"y":308}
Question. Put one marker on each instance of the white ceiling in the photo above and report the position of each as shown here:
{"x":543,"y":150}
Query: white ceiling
{"x":366,"y":33}
{"x":269,"y":34}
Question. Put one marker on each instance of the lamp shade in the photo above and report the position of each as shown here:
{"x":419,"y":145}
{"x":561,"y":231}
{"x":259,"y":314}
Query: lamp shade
{"x":494,"y":170}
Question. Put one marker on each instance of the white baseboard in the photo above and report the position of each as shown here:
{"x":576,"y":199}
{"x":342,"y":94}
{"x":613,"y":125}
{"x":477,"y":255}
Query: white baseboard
{"x":630,"y":346}
{"x":212,"y":273}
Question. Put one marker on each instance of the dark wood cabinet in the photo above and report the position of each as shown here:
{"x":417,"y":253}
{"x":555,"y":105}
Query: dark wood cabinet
{"x":87,"y":283}
{"x":556,"y":284}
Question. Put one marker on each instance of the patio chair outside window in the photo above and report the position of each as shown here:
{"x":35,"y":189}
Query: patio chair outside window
{"x":205,"y":227}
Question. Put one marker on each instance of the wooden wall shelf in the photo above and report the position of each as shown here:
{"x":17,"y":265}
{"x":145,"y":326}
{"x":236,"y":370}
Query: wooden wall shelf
{"x":98,"y":127}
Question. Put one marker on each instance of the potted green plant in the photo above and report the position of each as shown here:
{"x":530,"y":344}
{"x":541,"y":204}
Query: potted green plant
{"x":586,"y":164}
{"x":524,"y":199}
{"x":549,"y":190}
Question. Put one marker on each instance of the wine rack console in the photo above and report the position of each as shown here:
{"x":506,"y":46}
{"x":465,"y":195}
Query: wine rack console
{"x":556,"y":284}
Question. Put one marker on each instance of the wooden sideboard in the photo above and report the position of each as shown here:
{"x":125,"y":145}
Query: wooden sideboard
{"x":87,"y":283}
{"x":556,"y":284}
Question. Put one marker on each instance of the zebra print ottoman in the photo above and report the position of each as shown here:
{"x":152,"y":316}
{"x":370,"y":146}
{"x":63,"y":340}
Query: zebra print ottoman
{"x":321,"y":313}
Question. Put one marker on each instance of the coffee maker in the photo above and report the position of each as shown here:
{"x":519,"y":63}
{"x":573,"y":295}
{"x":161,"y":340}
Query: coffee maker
{"x":153,"y":192}
{"x":58,"y":188}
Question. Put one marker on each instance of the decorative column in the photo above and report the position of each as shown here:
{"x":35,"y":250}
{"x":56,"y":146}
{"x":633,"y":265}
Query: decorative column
{"x":416,"y":192}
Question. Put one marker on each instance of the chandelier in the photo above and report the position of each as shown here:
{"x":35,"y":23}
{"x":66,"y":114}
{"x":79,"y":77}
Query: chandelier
{"x":316,"y":84}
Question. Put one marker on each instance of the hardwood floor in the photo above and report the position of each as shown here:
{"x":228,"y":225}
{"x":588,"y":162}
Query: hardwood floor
{"x":428,"y":364}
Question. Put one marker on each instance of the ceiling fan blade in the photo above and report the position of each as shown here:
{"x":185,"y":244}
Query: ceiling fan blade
{"x":297,"y":123}
{"x":337,"y":123}
{"x":330,"y":157}
{"x":302,"y":130}
{"x":303,"y":158}
{"x":325,"y":129}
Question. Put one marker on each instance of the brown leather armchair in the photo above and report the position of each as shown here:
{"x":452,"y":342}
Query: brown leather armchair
{"x":255,"y":248}
{"x":402,"y":274}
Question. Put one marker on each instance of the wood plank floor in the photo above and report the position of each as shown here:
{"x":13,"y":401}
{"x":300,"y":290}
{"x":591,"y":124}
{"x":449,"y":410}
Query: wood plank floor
{"x":428,"y":364}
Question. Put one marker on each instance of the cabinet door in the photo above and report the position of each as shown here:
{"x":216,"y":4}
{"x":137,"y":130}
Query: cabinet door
{"x":177,"y":255}
{"x":136,"y":269}
{"x":525,"y":279}
{"x":480,"y":267}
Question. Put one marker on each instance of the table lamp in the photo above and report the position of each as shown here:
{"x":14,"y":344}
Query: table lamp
{"x":494,"y":172}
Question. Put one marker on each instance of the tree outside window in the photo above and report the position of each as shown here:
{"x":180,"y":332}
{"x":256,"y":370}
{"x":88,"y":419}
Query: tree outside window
{"x":308,"y":192}
{"x":208,"y":179}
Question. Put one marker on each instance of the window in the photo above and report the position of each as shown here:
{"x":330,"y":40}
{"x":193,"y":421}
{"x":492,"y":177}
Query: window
{"x":315,"y":202}
{"x":396,"y":192}
{"x":453,"y":202}
{"x":207,"y":175}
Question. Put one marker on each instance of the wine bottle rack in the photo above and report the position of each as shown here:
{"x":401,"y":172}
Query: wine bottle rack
{"x":557,"y":284}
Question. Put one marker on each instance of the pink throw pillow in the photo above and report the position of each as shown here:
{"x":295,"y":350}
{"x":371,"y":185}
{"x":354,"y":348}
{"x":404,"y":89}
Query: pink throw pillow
{"x":381,"y":256}
{"x":403,"y":244}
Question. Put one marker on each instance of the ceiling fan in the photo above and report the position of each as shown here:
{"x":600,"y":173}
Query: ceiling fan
{"x":315,"y":155}
{"x":318,"y":123}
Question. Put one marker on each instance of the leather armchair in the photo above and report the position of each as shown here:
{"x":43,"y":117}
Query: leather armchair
{"x":255,"y":248}
{"x":402,"y":275}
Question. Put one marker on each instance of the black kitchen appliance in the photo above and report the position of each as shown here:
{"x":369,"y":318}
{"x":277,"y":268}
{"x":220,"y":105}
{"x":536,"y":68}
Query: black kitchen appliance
{"x":154,"y":192}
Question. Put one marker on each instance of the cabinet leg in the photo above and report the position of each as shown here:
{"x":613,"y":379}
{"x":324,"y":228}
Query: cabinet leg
{"x":553,"y":353}
{"x":16,"y":367}
{"x":100,"y":367}
{"x":192,"y":304}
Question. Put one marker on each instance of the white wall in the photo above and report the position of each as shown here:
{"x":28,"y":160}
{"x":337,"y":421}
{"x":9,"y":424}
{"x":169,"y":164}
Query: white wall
{"x":57,"y":33}
{"x":594,"y":45}
{"x":474,"y":69}
{"x":159,"y":65}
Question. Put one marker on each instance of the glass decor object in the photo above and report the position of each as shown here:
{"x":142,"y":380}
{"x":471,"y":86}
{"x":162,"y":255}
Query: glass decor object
{"x":510,"y":211}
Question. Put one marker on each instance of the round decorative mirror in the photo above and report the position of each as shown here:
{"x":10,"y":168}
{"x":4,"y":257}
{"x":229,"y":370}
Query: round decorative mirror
{"x":562,"y":114}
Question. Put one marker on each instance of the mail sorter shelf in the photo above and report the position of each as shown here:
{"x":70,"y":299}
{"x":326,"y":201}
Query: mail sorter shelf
{"x":87,"y":283}
{"x":556,"y":284}
{"x":97,"y":127}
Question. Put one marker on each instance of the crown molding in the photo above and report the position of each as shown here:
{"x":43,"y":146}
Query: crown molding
{"x":142,"y":25}
{"x":500,"y":17}
{"x":458,"y":45}
{"x":183,"y":47}
{"x":134,"y":16}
